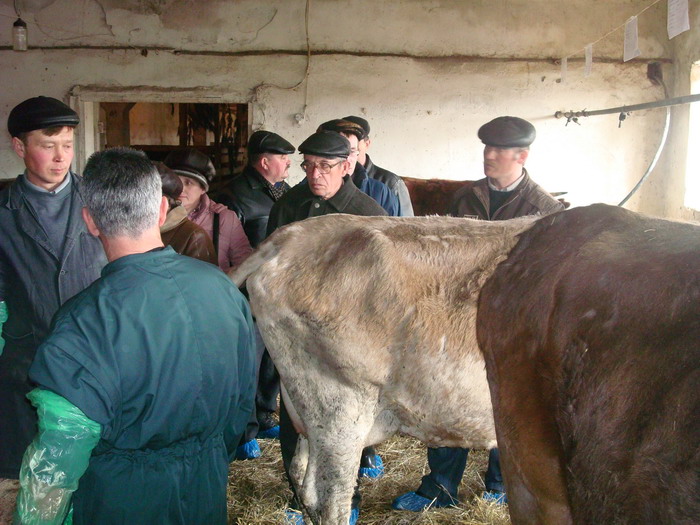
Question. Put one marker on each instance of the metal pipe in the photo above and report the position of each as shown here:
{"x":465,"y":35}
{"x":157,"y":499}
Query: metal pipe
{"x":652,"y":165}
{"x":688,"y":99}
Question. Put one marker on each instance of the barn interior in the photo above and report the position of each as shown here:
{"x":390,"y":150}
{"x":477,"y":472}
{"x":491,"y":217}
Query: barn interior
{"x":426,"y":74}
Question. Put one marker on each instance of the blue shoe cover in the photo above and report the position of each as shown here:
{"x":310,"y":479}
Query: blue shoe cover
{"x":495,"y":496}
{"x":416,"y":503}
{"x":293,"y":517}
{"x":354,"y":515}
{"x":270,"y":433}
{"x":375,"y":471}
{"x":248,"y":450}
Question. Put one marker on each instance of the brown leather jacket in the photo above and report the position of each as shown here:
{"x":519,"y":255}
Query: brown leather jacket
{"x":527,"y":199}
{"x":186,"y":237}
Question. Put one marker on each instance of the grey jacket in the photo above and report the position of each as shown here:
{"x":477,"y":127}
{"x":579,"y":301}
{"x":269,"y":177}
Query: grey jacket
{"x":34,"y":282}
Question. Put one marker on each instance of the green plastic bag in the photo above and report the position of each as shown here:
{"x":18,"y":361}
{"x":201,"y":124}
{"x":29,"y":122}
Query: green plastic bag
{"x":55,"y":460}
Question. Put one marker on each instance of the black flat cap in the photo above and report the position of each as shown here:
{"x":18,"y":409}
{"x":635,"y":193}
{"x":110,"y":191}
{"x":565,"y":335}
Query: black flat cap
{"x":507,"y":132}
{"x":40,"y":113}
{"x":327,"y":144}
{"x":192,"y":163}
{"x":340,"y":125}
{"x":268,"y":142}
{"x":360,"y":122}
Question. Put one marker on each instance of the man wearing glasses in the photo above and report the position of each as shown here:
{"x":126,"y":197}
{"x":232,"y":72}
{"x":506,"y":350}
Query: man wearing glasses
{"x":328,"y":190}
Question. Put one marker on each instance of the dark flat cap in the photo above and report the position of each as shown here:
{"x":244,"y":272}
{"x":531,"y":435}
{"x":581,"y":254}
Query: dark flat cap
{"x":327,"y":144}
{"x":192,"y":163}
{"x":340,"y":125}
{"x":360,"y":122}
{"x":268,"y":142}
{"x":507,"y":132}
{"x":40,"y":113}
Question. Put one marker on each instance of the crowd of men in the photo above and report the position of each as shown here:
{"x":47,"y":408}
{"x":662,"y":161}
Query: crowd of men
{"x":129,"y":363}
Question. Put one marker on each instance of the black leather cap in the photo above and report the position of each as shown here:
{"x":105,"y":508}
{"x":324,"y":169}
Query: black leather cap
{"x":327,"y":144}
{"x":268,"y":142}
{"x":507,"y":132}
{"x":340,"y":125}
{"x":192,"y":163}
{"x":40,"y":113}
{"x":360,"y":122}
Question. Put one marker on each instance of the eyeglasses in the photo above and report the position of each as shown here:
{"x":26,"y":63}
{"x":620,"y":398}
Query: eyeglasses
{"x":323,"y":167}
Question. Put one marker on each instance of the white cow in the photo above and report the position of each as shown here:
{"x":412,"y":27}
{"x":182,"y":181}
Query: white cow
{"x":371,"y":324}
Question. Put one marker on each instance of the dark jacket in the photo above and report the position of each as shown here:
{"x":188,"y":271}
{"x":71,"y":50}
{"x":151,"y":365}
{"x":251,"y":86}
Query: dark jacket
{"x":395,"y":184}
{"x":299,"y":204}
{"x":146,"y":353}
{"x":252,"y":202}
{"x":34,"y":282}
{"x":379,"y":191}
{"x":527,"y":199}
{"x":185,"y":237}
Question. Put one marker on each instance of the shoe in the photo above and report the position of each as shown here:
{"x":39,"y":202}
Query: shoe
{"x":248,"y":450}
{"x":416,"y":503}
{"x":293,"y":517}
{"x":354,"y":515}
{"x":371,"y":467}
{"x":495,"y":496}
{"x":269,"y":433}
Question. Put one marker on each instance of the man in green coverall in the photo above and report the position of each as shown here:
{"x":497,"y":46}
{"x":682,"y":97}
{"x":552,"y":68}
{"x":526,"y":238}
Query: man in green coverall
{"x":147,"y":379}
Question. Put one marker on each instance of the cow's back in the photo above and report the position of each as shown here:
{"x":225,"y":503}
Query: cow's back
{"x":388,"y":305}
{"x":601,"y":349}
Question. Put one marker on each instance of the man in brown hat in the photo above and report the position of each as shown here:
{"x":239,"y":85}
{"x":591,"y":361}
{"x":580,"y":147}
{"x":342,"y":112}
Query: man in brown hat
{"x":46,"y":257}
{"x":506,"y":192}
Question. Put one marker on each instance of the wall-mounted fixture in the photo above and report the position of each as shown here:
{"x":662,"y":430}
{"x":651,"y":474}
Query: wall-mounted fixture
{"x":19,"y":35}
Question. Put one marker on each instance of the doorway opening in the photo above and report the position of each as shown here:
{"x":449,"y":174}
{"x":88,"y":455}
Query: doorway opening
{"x":157,"y":128}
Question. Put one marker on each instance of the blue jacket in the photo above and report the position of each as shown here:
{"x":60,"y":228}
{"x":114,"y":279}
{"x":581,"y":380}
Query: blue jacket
{"x":34,"y":282}
{"x":160,"y":352}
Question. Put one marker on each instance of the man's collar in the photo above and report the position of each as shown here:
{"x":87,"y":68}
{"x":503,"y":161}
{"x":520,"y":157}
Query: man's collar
{"x":38,"y":189}
{"x":510,"y":187}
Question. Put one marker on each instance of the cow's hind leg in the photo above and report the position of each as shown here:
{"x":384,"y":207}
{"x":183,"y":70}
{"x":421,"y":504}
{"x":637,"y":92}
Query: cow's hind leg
{"x":331,"y":475}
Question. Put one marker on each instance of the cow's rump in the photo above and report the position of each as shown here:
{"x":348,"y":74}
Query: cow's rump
{"x":591,"y":334}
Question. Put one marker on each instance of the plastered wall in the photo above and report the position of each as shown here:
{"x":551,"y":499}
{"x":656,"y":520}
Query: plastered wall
{"x":426,"y":74}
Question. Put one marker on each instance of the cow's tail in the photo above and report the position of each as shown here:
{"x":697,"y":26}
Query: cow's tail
{"x":264,"y":253}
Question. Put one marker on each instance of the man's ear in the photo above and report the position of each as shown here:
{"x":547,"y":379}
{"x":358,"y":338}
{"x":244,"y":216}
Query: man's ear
{"x":19,"y":147}
{"x":90,"y":223}
{"x":346,"y":167}
{"x":264,"y":163}
{"x":368,"y":141}
{"x":523,"y":156}
{"x":163,"y":212}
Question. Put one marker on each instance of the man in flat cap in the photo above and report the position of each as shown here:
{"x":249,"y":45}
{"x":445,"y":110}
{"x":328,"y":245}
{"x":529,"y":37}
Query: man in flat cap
{"x":393,"y":181}
{"x":255,"y":191}
{"x":506,"y":192}
{"x":379,"y":191}
{"x":46,"y":257}
{"x":328,"y":189}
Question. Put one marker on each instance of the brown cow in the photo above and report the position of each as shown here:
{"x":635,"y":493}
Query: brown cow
{"x":371,"y":323}
{"x":433,"y":196}
{"x":591,"y":334}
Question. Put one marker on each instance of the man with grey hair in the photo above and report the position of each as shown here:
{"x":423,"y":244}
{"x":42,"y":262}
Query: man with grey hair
{"x":144,"y":388}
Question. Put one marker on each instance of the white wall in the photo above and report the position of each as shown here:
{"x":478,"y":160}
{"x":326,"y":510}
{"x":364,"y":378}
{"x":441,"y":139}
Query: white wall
{"x":426,"y":74}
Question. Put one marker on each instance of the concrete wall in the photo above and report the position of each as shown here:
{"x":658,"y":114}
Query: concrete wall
{"x":426,"y":74}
